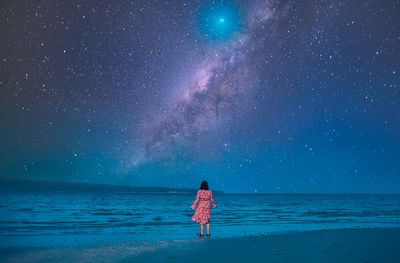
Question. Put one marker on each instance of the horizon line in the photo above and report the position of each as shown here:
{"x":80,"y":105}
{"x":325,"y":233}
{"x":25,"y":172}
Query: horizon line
{"x":195,"y":189}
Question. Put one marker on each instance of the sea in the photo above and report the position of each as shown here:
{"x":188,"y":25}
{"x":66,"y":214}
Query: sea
{"x":89,"y":219}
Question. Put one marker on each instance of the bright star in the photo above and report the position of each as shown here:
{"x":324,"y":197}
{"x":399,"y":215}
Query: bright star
{"x":219,"y":21}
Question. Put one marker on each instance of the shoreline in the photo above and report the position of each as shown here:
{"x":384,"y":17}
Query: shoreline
{"x":331,"y":245}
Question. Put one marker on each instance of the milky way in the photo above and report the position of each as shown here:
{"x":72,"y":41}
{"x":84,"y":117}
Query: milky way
{"x":215,"y":99}
{"x":273,"y":96}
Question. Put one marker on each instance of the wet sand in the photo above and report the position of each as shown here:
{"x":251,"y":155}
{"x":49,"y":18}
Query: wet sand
{"x":341,"y":245}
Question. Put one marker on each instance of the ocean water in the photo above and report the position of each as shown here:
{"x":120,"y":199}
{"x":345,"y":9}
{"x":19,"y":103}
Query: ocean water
{"x":70,"y":219}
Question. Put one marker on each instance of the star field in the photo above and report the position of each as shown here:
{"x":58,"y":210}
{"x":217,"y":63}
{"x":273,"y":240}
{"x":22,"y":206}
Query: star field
{"x":266,"y":96}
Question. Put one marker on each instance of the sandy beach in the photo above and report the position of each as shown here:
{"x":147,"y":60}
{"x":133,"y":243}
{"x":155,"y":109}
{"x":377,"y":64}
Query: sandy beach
{"x":341,"y":245}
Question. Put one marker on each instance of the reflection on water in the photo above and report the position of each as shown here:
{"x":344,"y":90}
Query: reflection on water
{"x":75,"y":219}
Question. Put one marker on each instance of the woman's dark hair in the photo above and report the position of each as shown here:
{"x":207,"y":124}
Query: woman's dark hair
{"x":204,"y":185}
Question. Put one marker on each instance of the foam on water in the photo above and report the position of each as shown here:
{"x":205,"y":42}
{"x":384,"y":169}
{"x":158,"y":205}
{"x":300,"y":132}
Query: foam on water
{"x":59,"y":220}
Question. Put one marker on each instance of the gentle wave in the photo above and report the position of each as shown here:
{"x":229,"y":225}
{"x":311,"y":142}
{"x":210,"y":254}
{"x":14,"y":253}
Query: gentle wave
{"x":59,"y":219}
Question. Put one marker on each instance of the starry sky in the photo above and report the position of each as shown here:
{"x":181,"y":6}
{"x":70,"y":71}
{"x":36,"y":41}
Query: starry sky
{"x":253,"y":95}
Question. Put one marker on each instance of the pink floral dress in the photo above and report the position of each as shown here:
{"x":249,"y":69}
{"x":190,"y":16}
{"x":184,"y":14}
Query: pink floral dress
{"x":202,"y":202}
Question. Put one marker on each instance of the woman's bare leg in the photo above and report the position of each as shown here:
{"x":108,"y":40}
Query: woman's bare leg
{"x":202,"y":229}
{"x":208,"y":228}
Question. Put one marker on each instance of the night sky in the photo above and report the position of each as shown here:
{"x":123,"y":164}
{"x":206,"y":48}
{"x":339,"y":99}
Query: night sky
{"x":253,"y":96}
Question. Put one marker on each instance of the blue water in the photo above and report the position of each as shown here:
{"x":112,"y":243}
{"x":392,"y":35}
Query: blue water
{"x":55,"y":220}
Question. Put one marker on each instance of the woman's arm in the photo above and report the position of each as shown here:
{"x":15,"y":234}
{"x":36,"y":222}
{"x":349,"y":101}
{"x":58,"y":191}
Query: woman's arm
{"x":196,"y":201}
{"x":213,"y":202}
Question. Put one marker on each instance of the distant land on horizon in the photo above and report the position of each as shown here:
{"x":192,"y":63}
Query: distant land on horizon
{"x":8,"y":183}
{"x":30,"y":185}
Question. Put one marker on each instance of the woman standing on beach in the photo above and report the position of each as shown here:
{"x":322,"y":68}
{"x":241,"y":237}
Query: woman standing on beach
{"x":203,"y":212}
